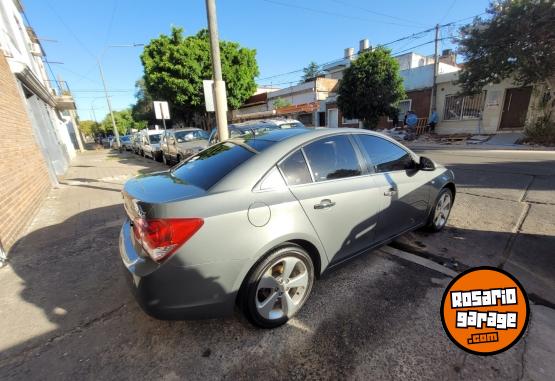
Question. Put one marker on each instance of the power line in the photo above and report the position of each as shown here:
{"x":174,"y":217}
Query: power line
{"x":83,"y":46}
{"x":411,"y":36}
{"x":324,"y":12}
{"x":448,"y":10}
{"x":111,"y":22}
{"x":374,"y":12}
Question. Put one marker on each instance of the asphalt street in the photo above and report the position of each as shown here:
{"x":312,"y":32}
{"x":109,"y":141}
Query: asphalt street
{"x":67,"y":313}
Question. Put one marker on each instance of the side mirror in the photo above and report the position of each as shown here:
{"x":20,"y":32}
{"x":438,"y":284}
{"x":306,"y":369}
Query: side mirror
{"x":426,"y":164}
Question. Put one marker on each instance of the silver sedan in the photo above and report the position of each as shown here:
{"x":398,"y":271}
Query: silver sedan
{"x":254,"y":221}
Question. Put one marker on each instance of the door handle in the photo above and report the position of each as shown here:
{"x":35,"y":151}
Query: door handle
{"x":324,"y":204}
{"x":390,"y":192}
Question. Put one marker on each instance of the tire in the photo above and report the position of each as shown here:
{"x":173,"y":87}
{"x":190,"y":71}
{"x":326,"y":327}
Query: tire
{"x":178,"y":159}
{"x":438,"y":218}
{"x":265,"y":291}
{"x":165,"y":160}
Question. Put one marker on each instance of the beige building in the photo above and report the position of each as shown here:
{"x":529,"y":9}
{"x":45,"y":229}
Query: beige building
{"x":499,"y":108}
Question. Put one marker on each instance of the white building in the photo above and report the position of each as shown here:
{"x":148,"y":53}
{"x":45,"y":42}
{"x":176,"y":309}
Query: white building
{"x":49,"y":109}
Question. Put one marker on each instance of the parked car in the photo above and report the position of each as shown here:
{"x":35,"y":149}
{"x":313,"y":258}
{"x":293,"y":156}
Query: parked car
{"x":255,"y":220}
{"x":125,"y":142}
{"x":107,"y":141}
{"x":287,"y":123}
{"x":255,"y":127}
{"x":181,"y":143}
{"x":136,"y":140}
{"x":150,"y":144}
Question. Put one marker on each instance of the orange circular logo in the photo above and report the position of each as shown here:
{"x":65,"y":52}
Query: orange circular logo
{"x":485,"y":310}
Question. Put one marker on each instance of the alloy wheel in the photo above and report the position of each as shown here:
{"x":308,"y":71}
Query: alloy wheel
{"x":442,"y":210}
{"x":282,"y":288}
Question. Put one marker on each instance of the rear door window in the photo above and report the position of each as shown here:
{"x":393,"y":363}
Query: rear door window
{"x":295,"y":170}
{"x":384,"y":155}
{"x":333,"y":157}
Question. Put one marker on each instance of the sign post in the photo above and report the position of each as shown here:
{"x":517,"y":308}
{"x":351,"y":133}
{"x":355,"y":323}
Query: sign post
{"x":162,"y":111}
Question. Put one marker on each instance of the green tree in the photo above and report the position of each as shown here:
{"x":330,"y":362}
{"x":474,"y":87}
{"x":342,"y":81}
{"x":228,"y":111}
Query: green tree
{"x":124,"y":122}
{"x":90,"y":127}
{"x":143,"y":110}
{"x":175,"y":66}
{"x":280,"y":102}
{"x":370,"y":87}
{"x":516,"y":40}
{"x":311,"y":71}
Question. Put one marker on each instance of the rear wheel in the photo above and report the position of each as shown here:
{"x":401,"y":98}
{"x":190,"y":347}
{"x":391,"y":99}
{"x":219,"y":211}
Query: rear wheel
{"x":278,"y":286}
{"x":440,"y":212}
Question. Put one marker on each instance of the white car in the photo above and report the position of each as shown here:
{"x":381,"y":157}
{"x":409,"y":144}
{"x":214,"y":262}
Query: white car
{"x":150,"y":144}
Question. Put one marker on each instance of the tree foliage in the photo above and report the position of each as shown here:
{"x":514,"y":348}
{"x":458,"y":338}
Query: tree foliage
{"x":370,"y":87}
{"x":311,"y":71}
{"x":280,"y":102}
{"x":124,"y":122}
{"x":175,"y":66}
{"x":90,"y":127}
{"x":516,"y":41}
{"x":143,"y":108}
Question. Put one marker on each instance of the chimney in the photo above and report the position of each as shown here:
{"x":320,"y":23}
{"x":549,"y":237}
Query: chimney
{"x":364,"y":45}
{"x":349,"y":53}
{"x":448,"y":57}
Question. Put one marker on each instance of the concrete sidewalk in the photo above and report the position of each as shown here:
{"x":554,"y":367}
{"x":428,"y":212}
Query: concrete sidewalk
{"x":83,"y":215}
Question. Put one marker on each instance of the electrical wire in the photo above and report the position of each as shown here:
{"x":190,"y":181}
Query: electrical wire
{"x":324,"y":12}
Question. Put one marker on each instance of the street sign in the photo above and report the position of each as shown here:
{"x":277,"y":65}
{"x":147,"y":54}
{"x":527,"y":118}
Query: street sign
{"x":209,"y":101}
{"x":208,"y":86}
{"x":161,"y":110}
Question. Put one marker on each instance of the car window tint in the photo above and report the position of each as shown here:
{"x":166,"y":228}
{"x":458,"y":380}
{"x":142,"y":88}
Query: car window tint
{"x":209,"y":166}
{"x":295,"y":170}
{"x":333,"y":157}
{"x":385,"y":156}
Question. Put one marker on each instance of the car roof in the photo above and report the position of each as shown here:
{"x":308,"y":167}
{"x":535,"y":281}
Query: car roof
{"x":288,"y":140}
{"x":183,"y":129}
{"x":277,"y":134}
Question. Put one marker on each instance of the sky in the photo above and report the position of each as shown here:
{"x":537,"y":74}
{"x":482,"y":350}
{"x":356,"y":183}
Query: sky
{"x":287,"y":35}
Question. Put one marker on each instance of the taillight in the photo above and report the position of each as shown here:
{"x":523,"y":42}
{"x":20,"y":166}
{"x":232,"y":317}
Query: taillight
{"x":160,"y":238}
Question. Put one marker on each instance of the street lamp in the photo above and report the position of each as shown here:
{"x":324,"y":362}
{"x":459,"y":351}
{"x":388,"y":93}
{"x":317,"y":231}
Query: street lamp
{"x":116,"y":133}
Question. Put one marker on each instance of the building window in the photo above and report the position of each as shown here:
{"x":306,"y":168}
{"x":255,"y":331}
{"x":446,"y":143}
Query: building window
{"x":458,"y":107}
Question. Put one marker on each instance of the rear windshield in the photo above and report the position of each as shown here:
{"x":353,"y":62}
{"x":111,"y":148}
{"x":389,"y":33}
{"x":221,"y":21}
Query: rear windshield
{"x":154,"y":138}
{"x":211,"y":165}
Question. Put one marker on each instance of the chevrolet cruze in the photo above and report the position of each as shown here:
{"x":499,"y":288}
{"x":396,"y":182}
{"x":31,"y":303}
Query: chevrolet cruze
{"x":254,"y":221}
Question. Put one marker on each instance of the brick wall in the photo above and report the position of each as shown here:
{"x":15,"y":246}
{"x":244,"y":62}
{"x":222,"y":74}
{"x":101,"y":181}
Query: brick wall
{"x":24,"y":180}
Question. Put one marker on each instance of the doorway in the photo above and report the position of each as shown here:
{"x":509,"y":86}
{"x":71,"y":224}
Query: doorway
{"x":515,"y":108}
{"x":333,"y":118}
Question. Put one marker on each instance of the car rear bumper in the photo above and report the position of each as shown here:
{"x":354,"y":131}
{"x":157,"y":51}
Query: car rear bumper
{"x":173,"y":291}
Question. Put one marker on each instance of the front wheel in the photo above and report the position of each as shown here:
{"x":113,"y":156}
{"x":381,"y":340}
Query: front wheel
{"x":278,"y":286}
{"x":440,"y":212}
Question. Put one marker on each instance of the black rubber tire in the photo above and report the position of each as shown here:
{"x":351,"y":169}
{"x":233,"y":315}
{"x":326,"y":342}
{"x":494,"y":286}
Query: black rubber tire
{"x":247,"y":296}
{"x":430,"y":226}
{"x":178,"y":159}
{"x":165,"y":160}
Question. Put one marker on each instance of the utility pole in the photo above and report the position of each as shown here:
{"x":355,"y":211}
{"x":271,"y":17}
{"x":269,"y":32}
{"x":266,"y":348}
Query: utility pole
{"x":219,"y":85}
{"x":433,"y":103}
{"x":116,"y":133}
